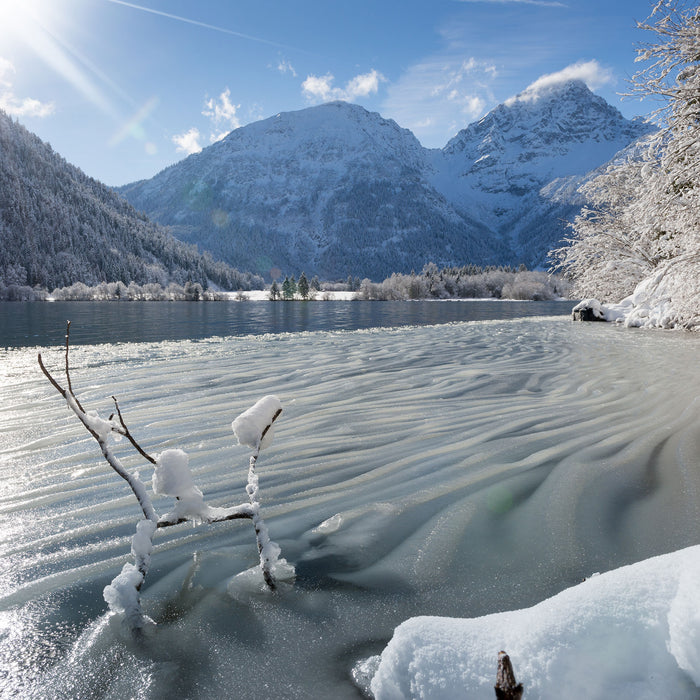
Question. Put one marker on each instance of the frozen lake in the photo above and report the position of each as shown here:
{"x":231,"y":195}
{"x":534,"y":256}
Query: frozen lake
{"x":455,"y":469}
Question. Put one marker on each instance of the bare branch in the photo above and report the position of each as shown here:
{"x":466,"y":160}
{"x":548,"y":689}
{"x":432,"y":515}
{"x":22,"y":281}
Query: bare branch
{"x":134,"y":482}
{"x":267,"y":427}
{"x":49,"y":376}
{"x":70,"y":387}
{"x":127,"y":434}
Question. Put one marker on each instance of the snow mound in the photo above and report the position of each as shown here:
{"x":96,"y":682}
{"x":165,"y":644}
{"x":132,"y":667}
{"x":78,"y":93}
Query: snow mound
{"x":670,"y":298}
{"x":631,"y":633}
{"x":172,"y":477}
{"x":249,"y":426}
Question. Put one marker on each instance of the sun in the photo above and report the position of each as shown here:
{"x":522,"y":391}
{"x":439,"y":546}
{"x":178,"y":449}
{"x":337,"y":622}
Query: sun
{"x":17,"y":15}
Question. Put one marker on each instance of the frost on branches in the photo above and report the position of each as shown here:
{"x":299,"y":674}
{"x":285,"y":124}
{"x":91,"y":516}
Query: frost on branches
{"x":172,"y":477}
{"x":639,"y":240}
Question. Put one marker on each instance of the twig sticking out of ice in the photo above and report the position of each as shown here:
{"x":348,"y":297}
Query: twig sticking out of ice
{"x":254,"y":427}
{"x":172,"y":477}
{"x":269,"y":550}
{"x":122,"y":595}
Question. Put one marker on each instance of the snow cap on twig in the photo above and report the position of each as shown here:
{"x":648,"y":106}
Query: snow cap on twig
{"x":172,"y":477}
{"x":254,"y":426}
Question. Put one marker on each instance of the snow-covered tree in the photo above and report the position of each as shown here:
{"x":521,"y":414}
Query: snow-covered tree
{"x":289,"y":288}
{"x":641,"y":235}
{"x":275,"y":293}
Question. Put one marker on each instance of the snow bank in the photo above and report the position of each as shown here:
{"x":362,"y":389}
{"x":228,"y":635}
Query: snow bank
{"x":249,"y":426}
{"x":632,"y":633}
{"x":670,"y":298}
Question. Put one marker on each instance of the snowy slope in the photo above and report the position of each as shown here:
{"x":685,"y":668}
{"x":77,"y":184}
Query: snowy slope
{"x":630,"y":633}
{"x":336,"y":190}
{"x":58,"y":227}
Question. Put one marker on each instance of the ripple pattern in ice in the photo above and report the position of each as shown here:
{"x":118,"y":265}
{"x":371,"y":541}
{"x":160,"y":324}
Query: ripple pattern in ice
{"x":448,"y":470}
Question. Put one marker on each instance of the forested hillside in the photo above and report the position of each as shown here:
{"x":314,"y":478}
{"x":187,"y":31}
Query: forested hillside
{"x":58,"y":226}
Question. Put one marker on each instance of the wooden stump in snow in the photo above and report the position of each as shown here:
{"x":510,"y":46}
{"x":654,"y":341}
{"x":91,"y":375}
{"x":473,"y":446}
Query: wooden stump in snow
{"x":506,"y":688}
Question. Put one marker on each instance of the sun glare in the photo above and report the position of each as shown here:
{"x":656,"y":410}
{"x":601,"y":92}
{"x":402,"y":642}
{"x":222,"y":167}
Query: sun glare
{"x":17,"y":16}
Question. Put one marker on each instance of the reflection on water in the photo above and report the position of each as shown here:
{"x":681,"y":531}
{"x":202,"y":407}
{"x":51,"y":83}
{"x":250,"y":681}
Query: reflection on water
{"x":447,"y":470}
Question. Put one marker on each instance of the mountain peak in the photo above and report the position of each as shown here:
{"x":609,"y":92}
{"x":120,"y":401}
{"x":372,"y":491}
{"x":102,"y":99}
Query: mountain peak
{"x":548,"y":115}
{"x":574,"y":89}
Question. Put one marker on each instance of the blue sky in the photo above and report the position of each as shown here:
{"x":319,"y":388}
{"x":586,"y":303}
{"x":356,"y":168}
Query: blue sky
{"x":123,"y":89}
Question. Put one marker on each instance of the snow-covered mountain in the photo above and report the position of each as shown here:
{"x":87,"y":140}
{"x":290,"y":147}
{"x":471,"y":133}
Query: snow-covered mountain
{"x":517,"y":169}
{"x":332,"y":190}
{"x":336,"y":190}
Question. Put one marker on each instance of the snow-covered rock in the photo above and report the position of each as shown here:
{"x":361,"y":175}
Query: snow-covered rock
{"x":669,"y":298}
{"x":631,"y":634}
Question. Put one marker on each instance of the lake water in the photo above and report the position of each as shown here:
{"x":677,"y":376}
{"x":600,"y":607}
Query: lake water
{"x":137,"y":322}
{"x":452,"y":469}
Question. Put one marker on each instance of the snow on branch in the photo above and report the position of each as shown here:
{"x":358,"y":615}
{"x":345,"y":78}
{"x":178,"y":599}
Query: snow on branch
{"x":254,"y":428}
{"x":172,"y":477}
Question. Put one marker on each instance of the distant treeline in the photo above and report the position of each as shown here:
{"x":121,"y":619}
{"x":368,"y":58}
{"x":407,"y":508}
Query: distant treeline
{"x":467,"y":282}
{"x":114,"y":291}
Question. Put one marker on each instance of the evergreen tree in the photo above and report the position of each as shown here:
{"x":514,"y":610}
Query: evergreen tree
{"x":275,"y":293}
{"x":303,"y":286}
{"x":288,"y":288}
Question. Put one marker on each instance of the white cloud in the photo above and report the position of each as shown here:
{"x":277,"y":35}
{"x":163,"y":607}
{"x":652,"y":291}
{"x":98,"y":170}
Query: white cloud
{"x":441,"y":95}
{"x":223,"y":115}
{"x":19,"y":106}
{"x":590,"y":72}
{"x":223,"y":118}
{"x":188,"y":142}
{"x":284,"y":66}
{"x":320,"y":88}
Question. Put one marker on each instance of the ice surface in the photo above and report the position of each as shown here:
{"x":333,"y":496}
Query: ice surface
{"x":453,"y":471}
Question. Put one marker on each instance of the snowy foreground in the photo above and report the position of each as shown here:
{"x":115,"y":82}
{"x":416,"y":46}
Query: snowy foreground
{"x":632,"y":633}
{"x":421,"y":481}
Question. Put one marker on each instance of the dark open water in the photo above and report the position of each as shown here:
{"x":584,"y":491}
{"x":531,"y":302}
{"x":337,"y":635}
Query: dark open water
{"x":28,"y":324}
